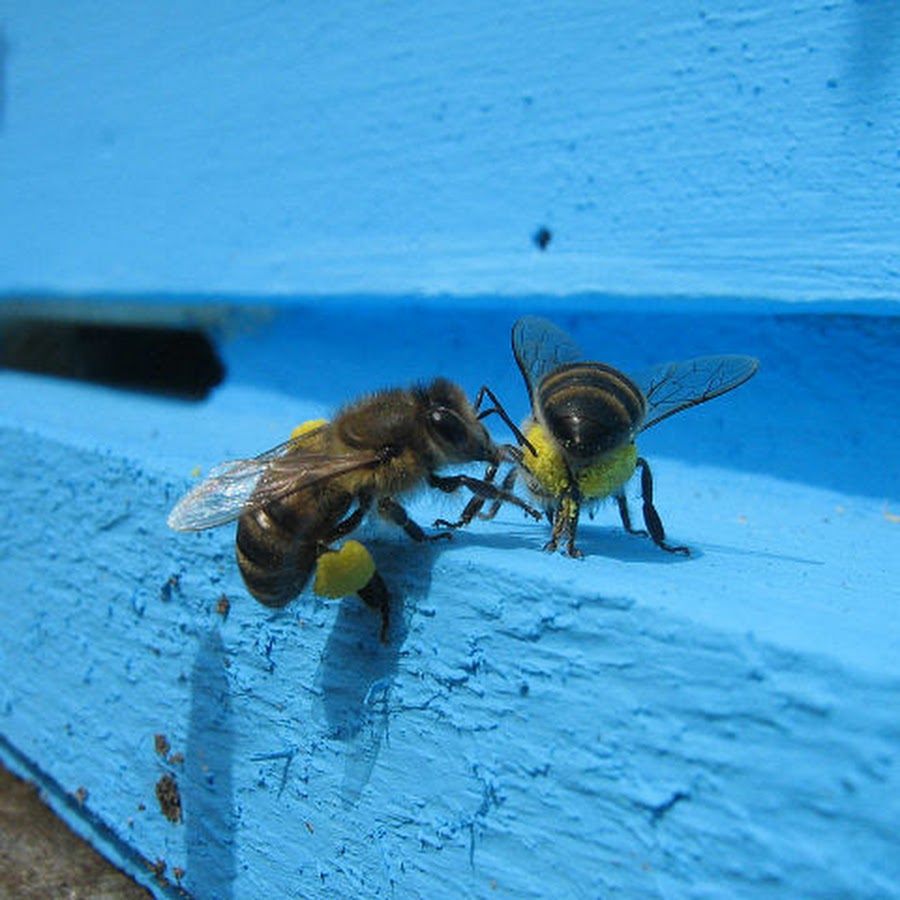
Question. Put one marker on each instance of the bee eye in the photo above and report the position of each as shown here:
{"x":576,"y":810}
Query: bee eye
{"x":448,"y":426}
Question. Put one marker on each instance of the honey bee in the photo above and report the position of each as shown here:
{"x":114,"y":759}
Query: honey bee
{"x":585,"y":416}
{"x":296,"y":500}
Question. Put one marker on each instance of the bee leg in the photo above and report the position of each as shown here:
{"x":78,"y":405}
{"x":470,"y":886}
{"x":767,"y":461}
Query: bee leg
{"x":353,"y":521}
{"x":565,"y":524}
{"x":375,"y":595}
{"x":625,"y":515}
{"x":571,"y":508}
{"x":558,"y":522}
{"x":473,"y":507}
{"x":481,"y":488}
{"x":476,"y":504}
{"x":506,"y":486}
{"x":651,"y":516}
{"x":394,"y":512}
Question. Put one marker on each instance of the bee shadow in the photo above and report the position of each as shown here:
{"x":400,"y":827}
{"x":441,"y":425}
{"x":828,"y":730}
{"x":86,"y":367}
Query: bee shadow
{"x":357,"y":671}
{"x":207,"y":787}
{"x":614,"y":542}
{"x":609,"y":541}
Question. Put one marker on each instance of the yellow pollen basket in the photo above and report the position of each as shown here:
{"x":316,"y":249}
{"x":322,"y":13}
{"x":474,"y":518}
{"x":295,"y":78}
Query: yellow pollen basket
{"x":340,"y":573}
{"x":609,"y":474}
{"x":596,"y":481}
{"x":305,"y":427}
{"x":548,"y":467}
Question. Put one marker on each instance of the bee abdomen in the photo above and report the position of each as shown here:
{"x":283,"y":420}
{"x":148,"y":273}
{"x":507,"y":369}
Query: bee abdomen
{"x":590,"y":407}
{"x":275,"y":559}
{"x":278,"y":544}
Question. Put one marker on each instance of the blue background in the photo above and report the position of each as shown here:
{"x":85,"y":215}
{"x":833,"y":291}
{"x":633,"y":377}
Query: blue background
{"x":347,"y":199}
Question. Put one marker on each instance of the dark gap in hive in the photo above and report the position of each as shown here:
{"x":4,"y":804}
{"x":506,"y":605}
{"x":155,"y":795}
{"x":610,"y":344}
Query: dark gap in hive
{"x":176,"y":362}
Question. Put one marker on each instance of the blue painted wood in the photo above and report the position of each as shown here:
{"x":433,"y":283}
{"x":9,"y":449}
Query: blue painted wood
{"x":631,"y":723}
{"x":669,"y":148}
{"x":369,"y":187}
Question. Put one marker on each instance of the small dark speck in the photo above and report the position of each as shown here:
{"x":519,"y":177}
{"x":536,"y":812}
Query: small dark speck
{"x":169,"y":798}
{"x":172,"y":584}
{"x":523,"y":689}
{"x":662,"y":809}
{"x":158,"y":869}
{"x":831,"y":83}
{"x":542,"y":238}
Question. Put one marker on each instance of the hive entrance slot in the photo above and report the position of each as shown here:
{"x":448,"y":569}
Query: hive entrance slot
{"x":178,"y":362}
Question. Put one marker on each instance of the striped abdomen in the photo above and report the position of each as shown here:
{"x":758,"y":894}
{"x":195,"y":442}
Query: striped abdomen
{"x":590,"y":408}
{"x":278,"y":544}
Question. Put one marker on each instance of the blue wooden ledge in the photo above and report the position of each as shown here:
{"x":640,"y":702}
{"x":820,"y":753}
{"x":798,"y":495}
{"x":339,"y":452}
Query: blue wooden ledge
{"x":630,"y":724}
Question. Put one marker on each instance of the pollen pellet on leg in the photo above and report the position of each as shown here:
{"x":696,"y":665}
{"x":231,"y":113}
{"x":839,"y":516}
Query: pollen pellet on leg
{"x":343,"y":572}
{"x":307,"y":426}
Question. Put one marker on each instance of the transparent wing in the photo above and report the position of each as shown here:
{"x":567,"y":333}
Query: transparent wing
{"x":539,"y":347}
{"x":672,"y":387}
{"x":234,"y":488}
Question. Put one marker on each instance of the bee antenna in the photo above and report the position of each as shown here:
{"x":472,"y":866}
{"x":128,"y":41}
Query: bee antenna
{"x":500,"y":411}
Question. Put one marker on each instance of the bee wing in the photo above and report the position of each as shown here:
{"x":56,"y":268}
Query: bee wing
{"x":539,"y":347}
{"x":672,"y":387}
{"x":234,"y":488}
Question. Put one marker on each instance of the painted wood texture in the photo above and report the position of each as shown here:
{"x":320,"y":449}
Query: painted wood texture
{"x":668,"y":148}
{"x":628,"y":725}
{"x":633,"y":723}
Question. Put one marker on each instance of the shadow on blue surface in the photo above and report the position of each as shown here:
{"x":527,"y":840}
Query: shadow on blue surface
{"x":208,"y":795}
{"x":357,"y":672}
{"x":874,"y":51}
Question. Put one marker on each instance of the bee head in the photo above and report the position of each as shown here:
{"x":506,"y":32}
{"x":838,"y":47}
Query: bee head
{"x":453,"y":426}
